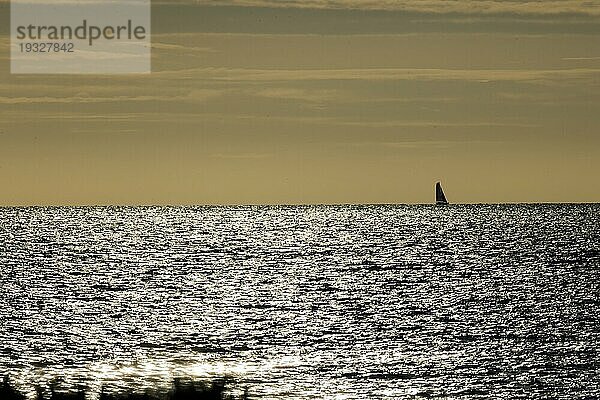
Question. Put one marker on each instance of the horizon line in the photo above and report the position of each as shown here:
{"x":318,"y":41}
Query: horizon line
{"x":174,"y":205}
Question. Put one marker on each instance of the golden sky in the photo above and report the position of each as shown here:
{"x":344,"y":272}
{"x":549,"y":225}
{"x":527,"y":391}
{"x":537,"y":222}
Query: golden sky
{"x":337,"y":101}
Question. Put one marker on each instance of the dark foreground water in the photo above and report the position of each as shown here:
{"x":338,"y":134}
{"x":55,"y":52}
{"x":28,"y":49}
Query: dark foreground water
{"x":324,"y":302}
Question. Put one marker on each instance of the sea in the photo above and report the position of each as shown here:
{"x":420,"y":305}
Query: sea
{"x":306,"y":302}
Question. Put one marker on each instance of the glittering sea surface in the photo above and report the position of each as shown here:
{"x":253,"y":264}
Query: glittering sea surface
{"x":307,"y":302}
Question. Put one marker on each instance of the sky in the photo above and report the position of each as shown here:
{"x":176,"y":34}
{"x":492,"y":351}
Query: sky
{"x":310,"y":102}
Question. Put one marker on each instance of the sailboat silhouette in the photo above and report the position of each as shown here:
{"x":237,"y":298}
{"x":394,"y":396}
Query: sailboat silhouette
{"x":440,"y":198}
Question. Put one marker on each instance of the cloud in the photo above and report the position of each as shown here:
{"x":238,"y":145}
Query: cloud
{"x":86,"y":98}
{"x":80,"y":100}
{"x":240,"y":156}
{"x":521,"y":7}
{"x":371,"y":16}
{"x":406,"y":144}
{"x":381,"y":74}
{"x":76,"y":2}
{"x":298,"y":94}
{"x":580,"y":58}
{"x":434,"y":124}
{"x":179,"y":47}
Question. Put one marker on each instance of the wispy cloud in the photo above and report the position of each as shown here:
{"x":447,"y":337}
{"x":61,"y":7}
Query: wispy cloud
{"x":430,"y":6}
{"x":298,"y":94}
{"x":82,"y":99}
{"x":179,"y":47}
{"x":240,"y":156}
{"x":580,"y":58}
{"x":434,"y":124}
{"x":381,"y":74}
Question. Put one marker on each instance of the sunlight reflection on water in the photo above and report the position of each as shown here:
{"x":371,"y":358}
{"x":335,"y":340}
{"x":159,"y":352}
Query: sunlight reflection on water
{"x":350,"y":302}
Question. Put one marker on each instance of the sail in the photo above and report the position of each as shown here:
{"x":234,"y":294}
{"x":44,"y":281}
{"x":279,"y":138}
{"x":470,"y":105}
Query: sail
{"x":440,"y":198}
